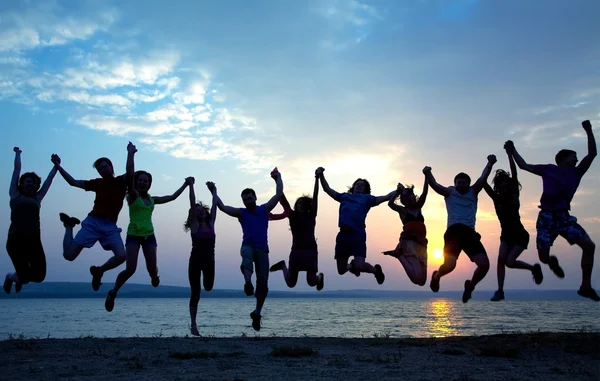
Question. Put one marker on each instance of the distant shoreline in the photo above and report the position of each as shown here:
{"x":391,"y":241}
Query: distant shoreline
{"x":526,"y":357}
{"x":77,"y":290}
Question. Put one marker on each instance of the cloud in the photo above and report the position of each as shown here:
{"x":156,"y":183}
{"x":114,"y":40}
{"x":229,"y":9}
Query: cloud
{"x":47,"y":25}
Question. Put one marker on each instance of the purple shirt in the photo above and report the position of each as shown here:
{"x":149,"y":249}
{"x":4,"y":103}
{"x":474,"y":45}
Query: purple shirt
{"x":559,"y":186}
{"x":254,"y":226}
{"x":354,"y":209}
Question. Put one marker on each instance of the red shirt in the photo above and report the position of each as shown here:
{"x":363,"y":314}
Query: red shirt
{"x":110,"y":194}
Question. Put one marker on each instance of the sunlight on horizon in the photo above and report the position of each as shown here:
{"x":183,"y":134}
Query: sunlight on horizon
{"x":440,"y":323}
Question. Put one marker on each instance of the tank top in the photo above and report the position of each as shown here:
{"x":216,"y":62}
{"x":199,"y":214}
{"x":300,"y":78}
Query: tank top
{"x":302,"y":226}
{"x":24,"y":215}
{"x":140,"y":218}
{"x":203,"y":242}
{"x":461,"y":208}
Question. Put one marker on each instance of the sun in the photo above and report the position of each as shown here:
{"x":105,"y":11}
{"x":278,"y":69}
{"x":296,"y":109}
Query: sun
{"x":438,"y":254}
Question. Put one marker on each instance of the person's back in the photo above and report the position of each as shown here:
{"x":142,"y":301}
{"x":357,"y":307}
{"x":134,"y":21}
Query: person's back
{"x":461,"y":208}
{"x":559,"y":186}
{"x":255,"y":224}
{"x":303,"y":226}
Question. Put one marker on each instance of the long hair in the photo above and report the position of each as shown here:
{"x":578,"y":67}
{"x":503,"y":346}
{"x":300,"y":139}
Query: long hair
{"x":308,"y":202}
{"x":502,"y":176}
{"x":188,"y":222}
{"x":411,"y":189}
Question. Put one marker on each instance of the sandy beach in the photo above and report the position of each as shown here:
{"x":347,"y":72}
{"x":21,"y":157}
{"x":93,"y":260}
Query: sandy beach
{"x":547,"y":356}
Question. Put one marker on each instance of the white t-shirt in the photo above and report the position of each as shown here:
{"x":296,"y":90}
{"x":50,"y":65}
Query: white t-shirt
{"x":461,"y":208}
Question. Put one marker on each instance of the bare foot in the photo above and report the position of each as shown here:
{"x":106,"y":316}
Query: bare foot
{"x":194,"y":331}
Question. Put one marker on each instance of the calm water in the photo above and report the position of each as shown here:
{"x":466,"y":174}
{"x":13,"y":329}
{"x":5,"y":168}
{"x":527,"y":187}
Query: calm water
{"x":68,"y":318}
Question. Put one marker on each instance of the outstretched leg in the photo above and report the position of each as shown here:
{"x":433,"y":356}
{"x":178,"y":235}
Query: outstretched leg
{"x":501,"y":271}
{"x":414,"y":269}
{"x":290,"y":277}
{"x":446,"y":268}
{"x":262,"y":285}
{"x":130,"y":267}
{"x":483,"y":266}
{"x":587,"y":266}
{"x":151,"y":264}
{"x":71,"y":250}
{"x":194,"y":279}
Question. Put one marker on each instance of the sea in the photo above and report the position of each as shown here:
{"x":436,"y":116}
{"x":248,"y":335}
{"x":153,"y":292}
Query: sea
{"x":293,"y":317}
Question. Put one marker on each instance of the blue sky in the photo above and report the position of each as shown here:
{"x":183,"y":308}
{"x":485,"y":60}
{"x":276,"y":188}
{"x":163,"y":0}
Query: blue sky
{"x":224,"y":91}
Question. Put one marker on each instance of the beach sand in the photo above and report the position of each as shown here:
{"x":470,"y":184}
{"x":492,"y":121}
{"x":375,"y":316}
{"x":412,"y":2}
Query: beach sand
{"x":545,"y":356}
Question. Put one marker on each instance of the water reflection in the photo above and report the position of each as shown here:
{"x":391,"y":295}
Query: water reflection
{"x":441,"y":320}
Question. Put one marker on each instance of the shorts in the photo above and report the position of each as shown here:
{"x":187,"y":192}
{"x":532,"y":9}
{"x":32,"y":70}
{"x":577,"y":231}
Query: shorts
{"x":256,"y":259}
{"x":515,"y":236}
{"x":96,"y":229}
{"x":550,"y":225}
{"x":410,"y":248}
{"x":304,"y":260}
{"x":350,"y":243}
{"x":459,"y":237}
{"x":145,"y":242}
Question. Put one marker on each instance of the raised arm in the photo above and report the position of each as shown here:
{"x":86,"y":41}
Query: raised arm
{"x":132,"y":194}
{"x":193,"y":217}
{"x":13,"y":190}
{"x":509,"y":146}
{"x":178,"y":192}
{"x":333,"y":194}
{"x":68,"y":178}
{"x":392,"y":204}
{"x":48,"y":182}
{"x":490,"y":192}
{"x":387,"y":197}
{"x":423,"y":196}
{"x":270,"y":205}
{"x":586,"y":162}
{"x":315,"y":198}
{"x":229,"y":210}
{"x":513,"y":171}
{"x":286,"y":210}
{"x":478,"y":186}
{"x":213,"y":209}
{"x":439,"y":189}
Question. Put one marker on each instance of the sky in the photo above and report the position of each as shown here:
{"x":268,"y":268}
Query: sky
{"x":225,"y":91}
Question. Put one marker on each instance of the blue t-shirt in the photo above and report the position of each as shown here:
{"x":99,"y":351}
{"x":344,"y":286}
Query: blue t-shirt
{"x":254,"y":226}
{"x":354,"y":209}
{"x":559,"y":186}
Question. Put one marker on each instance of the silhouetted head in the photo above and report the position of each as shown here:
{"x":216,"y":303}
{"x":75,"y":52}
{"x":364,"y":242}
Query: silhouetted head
{"x":249,"y":198}
{"x":202,"y":215}
{"x":303,"y":205}
{"x":503,"y":183}
{"x":360,"y":186}
{"x":104,"y":167}
{"x":408,"y":197}
{"x":566,"y":158}
{"x":29,"y":184}
{"x":462,"y":182}
{"x":142,"y":181}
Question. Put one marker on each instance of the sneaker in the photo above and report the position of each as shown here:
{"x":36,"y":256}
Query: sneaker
{"x":194,"y":331}
{"x":7,"y":286}
{"x":435,"y":283}
{"x":277,"y":266}
{"x":468,"y":291}
{"x":68,"y":221}
{"x":255,"y":320}
{"x":498,"y":296}
{"x":555,"y":267}
{"x":155,"y":281}
{"x":588,"y":293}
{"x":379,"y":275}
{"x":538,"y":275}
{"x":109,"y":304}
{"x":96,"y":277}
{"x":353,"y":269}
{"x":249,"y":288}
{"x":321,"y":282}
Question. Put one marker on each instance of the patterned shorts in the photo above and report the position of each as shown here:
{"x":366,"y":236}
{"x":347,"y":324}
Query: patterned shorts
{"x":550,"y":225}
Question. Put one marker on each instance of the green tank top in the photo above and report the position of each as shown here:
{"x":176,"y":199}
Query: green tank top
{"x":140,"y":218}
